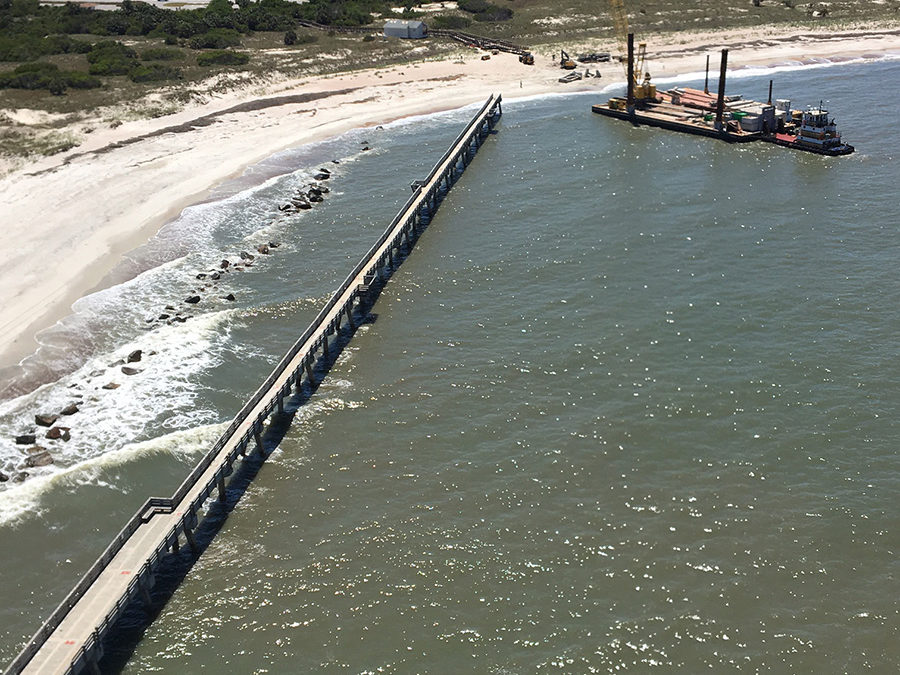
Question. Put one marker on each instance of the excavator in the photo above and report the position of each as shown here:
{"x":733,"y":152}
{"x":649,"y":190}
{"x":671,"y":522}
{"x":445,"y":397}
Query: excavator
{"x":565,"y":61}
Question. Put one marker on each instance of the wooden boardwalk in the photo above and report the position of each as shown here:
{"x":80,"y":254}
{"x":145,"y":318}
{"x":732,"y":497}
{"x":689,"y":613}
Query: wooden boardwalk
{"x":70,"y":641}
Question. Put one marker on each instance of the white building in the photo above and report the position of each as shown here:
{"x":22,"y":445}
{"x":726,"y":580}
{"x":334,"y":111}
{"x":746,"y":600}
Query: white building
{"x":405,"y":29}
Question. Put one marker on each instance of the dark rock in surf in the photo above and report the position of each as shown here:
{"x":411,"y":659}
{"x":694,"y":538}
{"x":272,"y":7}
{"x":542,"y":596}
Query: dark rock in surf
{"x":192,"y":299}
{"x":70,"y":409}
{"x":25,"y":439}
{"x":229,"y":297}
{"x":3,"y":477}
{"x":202,"y":275}
{"x":263,"y":249}
{"x":59,"y":433}
{"x":322,"y":176}
{"x":215,"y":276}
{"x":38,"y":456}
{"x":135,"y":356}
{"x":20,"y":477}
{"x":111,"y":385}
{"x":247,"y":256}
{"x":162,"y":317}
{"x":45,"y":420}
{"x":224,"y":264}
{"x":274,"y":244}
{"x":130,"y":371}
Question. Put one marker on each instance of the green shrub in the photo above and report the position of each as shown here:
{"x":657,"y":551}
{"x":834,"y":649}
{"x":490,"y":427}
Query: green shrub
{"x":41,"y":67}
{"x":485,"y":11}
{"x":77,"y":80}
{"x":496,"y":14}
{"x":216,"y":38}
{"x":474,"y":6}
{"x":450,"y":21}
{"x":222,"y":58}
{"x":111,"y":58}
{"x":153,"y":72}
{"x":161,"y":54}
{"x":25,"y":47}
{"x":43,"y":75}
{"x":290,"y":38}
{"x":57,"y":86}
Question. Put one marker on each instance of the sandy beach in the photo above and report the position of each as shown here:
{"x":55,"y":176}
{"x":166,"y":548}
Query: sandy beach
{"x":69,"y":218}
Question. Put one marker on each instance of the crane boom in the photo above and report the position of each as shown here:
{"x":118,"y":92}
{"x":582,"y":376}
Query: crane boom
{"x":620,"y":25}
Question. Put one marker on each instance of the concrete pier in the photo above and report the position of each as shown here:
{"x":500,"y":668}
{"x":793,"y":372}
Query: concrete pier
{"x":71,"y":640}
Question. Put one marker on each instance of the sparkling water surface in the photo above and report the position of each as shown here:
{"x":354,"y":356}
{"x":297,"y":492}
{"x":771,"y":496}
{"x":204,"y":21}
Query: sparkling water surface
{"x":631,"y":402}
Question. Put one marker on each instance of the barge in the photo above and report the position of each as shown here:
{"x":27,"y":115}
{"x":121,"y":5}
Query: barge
{"x":728,"y":118}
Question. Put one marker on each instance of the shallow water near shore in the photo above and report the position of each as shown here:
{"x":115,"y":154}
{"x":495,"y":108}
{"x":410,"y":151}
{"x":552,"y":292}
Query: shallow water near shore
{"x":630,"y":402}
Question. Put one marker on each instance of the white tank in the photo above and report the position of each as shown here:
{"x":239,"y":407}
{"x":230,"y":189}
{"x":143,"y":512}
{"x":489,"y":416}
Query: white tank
{"x":783,"y":104}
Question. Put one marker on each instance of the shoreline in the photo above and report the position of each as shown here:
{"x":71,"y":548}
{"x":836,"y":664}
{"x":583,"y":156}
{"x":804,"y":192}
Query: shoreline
{"x":73,"y":216}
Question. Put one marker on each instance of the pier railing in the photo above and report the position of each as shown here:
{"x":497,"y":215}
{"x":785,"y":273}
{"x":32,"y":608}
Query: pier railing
{"x":424,"y":191}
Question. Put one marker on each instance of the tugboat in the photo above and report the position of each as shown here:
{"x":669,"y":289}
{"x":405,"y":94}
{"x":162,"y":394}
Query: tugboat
{"x":815,"y":133}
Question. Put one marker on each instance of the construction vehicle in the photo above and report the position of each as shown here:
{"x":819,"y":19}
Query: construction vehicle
{"x":527,"y":58}
{"x":565,"y":61}
{"x":593,"y":57}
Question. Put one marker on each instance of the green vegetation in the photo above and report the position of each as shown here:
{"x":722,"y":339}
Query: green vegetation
{"x":46,"y":76}
{"x":449,"y":21}
{"x":216,"y":38}
{"x":223,"y":57}
{"x":153,"y":72}
{"x":485,"y":11}
{"x":111,"y":58}
{"x":28,"y":47}
{"x":162,"y":54}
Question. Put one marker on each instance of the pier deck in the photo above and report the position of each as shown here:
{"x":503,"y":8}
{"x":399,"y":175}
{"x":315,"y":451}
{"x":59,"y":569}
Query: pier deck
{"x":71,"y":639}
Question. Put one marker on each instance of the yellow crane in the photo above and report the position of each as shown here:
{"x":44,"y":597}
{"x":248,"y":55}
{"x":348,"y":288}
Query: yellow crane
{"x":620,"y":24}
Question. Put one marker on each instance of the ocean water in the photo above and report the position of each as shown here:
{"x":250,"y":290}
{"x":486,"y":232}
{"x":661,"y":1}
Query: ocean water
{"x":631,"y":402}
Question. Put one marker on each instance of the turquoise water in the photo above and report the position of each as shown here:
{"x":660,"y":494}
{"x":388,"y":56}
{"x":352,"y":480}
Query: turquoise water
{"x":630,"y":402}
